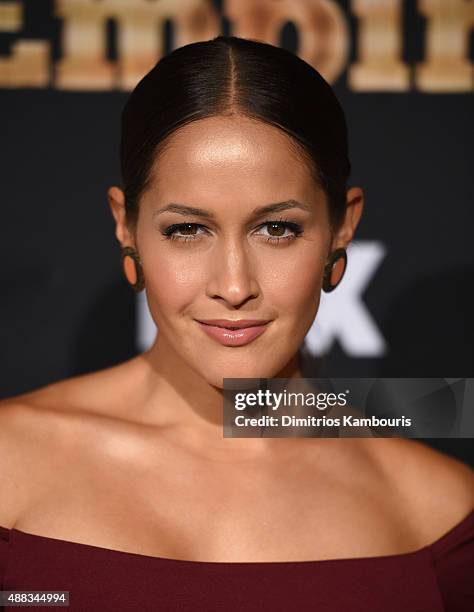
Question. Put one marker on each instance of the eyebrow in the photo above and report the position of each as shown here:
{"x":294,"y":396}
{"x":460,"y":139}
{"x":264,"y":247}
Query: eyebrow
{"x":182,"y":209}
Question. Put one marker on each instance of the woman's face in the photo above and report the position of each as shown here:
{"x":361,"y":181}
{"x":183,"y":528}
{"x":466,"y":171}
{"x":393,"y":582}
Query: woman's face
{"x":231,"y":262}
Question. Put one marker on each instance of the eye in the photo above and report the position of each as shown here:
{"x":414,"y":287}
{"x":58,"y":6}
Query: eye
{"x":277,"y":230}
{"x":185,"y":229}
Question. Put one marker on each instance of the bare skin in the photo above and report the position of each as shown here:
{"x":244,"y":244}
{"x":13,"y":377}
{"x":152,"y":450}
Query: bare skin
{"x":133,"y":458}
{"x":78,"y":468}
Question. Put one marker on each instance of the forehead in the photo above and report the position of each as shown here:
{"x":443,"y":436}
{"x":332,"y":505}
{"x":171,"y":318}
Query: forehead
{"x":230,"y":154}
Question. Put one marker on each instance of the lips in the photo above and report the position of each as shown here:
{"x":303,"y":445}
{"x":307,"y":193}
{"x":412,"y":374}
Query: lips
{"x":234,"y":333}
{"x":237,"y":324}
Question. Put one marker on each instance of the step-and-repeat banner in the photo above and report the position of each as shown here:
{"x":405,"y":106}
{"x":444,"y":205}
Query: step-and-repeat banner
{"x":403,"y":73}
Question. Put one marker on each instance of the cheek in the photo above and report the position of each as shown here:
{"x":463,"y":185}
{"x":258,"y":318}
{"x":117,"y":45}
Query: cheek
{"x":289,"y":279}
{"x":172,"y":282}
{"x":295,"y":284}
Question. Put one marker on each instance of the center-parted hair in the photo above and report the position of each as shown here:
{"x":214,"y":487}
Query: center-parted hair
{"x":235,"y":76}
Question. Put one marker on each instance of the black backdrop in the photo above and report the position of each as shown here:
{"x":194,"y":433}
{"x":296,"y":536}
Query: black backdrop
{"x":65,"y":307}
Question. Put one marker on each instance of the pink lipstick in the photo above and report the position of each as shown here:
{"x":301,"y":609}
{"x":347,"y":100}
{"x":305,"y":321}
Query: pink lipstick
{"x":234,"y":333}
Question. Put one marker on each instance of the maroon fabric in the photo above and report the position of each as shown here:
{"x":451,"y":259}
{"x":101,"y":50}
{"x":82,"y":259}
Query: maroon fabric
{"x":435,"y":578}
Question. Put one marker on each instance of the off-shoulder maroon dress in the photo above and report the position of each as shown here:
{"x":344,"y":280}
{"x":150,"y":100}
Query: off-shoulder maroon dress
{"x":437,"y":577}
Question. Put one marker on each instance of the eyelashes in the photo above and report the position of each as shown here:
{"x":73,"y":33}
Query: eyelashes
{"x":170,"y":232}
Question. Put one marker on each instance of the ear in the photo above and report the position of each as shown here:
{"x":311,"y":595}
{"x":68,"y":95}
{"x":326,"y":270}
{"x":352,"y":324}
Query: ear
{"x":116,"y":199}
{"x":355,"y":206}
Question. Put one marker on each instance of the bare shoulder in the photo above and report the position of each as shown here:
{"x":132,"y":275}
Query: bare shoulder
{"x":30,"y":442}
{"x":47,"y":413}
{"x":43,"y":429}
{"x":97,"y":392}
{"x":435,"y":491}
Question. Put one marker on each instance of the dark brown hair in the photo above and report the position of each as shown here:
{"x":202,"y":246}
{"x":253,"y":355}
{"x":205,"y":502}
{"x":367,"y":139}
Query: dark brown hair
{"x":231,"y":75}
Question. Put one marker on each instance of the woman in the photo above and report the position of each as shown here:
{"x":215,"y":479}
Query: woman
{"x":119,"y":487}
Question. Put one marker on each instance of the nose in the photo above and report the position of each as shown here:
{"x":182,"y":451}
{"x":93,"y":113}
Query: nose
{"x":232,"y":277}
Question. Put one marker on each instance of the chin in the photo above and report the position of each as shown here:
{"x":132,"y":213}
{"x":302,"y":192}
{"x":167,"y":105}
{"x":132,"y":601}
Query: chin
{"x":261,"y":369}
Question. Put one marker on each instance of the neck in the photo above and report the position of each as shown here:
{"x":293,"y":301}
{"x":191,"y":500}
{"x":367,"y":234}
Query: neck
{"x":178,"y":401}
